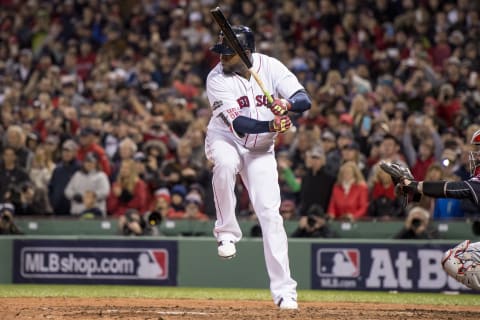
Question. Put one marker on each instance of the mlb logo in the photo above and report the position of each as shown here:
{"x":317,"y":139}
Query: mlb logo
{"x":153,"y":264}
{"x":340,"y":263}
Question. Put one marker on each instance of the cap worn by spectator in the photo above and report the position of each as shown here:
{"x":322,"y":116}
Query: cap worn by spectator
{"x":328,"y":135}
{"x":318,"y":211}
{"x":70,"y":145}
{"x":195,"y":16}
{"x":287,"y":205}
{"x":316,"y":153}
{"x":90,"y":157}
{"x":346,"y":135}
{"x":32,"y":136}
{"x":52,"y":139}
{"x":352,"y":146}
{"x":193,"y":198}
{"x":197,"y":187}
{"x":139,"y":156}
{"x":163,"y":193}
{"x":179,"y":189}
{"x":7,"y":207}
{"x":87,"y":131}
{"x":346,"y":119}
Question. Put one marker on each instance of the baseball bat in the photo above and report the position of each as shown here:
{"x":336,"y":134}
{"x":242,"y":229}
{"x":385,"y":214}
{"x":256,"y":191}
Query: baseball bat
{"x":237,"y":47}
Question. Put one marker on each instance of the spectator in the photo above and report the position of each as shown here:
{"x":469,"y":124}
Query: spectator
{"x":12,"y":177}
{"x":317,"y":185}
{"x":178,"y":194}
{"x":430,"y":145}
{"x":435,"y":172}
{"x":288,"y":210}
{"x":61,"y":175}
{"x":90,"y":203}
{"x":332,"y":154}
{"x":349,"y":199}
{"x":126,"y":150}
{"x":193,"y":203}
{"x":15,"y":138}
{"x":88,"y":178}
{"x":128,"y":191}
{"x":315,"y":226}
{"x":41,"y":169}
{"x":383,"y":202}
{"x":417,"y":225}
{"x":7,"y":224}
{"x":161,"y":203}
{"x":88,"y":144}
{"x":289,"y":183}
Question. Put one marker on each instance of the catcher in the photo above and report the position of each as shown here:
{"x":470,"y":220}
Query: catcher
{"x":462,"y":261}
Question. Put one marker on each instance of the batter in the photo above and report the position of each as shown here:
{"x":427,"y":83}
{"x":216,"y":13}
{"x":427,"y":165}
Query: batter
{"x":240,"y":140}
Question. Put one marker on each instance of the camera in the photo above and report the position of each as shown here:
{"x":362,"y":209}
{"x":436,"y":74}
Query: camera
{"x":311,"y":221}
{"x":416,"y":223}
{"x":154,"y":218}
{"x":5,"y":217}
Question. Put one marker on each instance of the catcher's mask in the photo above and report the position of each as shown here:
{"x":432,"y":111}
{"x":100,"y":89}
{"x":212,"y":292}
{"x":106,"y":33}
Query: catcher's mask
{"x":474,"y":156}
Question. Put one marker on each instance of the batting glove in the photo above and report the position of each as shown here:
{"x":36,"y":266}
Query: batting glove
{"x":279,"y":107}
{"x":280,"y":124}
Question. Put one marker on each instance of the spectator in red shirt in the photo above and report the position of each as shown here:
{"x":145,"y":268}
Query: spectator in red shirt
{"x":129,"y":191}
{"x":88,"y":144}
{"x":349,"y":198}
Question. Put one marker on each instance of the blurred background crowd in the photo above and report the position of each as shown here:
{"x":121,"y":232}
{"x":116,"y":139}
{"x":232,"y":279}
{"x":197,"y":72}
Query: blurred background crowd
{"x":103,"y":106}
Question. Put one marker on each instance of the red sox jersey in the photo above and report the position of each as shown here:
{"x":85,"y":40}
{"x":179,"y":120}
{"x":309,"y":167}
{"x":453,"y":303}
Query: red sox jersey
{"x":231,"y":95}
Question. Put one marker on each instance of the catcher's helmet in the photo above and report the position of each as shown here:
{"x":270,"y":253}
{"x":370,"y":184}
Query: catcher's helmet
{"x":244,"y":35}
{"x":474,"y":156}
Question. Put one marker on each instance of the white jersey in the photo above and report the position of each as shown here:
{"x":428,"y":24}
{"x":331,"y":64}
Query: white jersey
{"x":231,"y":96}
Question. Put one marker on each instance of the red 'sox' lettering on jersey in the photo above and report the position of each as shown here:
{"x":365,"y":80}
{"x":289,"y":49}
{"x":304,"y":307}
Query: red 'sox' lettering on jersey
{"x":243,"y":102}
{"x":261,"y":100}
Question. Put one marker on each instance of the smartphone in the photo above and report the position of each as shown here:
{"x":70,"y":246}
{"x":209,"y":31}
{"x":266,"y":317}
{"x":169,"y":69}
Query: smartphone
{"x":366,"y":124}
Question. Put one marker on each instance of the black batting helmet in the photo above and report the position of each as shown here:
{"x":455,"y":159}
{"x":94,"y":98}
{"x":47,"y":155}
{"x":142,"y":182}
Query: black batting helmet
{"x":245,"y":37}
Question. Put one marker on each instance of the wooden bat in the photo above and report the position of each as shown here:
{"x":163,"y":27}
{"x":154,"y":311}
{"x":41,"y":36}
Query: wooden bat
{"x":237,"y":47}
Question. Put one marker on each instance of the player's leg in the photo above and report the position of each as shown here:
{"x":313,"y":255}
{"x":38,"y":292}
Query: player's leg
{"x":226,"y":162}
{"x":463,"y":263}
{"x":261,"y":179}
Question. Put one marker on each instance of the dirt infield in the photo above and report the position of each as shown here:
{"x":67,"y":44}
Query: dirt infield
{"x":165,"y":309}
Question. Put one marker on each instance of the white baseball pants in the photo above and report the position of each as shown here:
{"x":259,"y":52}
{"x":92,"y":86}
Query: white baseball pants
{"x":258,"y":171}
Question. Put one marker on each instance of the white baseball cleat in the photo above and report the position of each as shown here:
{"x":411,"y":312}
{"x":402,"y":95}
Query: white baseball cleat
{"x":226,"y":249}
{"x":288,"y":304}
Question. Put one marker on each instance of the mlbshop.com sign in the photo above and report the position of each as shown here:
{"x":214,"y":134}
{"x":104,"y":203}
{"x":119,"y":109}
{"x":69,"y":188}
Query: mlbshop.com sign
{"x":99,"y":262}
{"x":399,"y":267}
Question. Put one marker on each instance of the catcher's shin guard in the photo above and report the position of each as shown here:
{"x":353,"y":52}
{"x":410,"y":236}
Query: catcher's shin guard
{"x":463,"y":264}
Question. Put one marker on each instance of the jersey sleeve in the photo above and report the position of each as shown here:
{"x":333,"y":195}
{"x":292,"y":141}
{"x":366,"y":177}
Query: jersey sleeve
{"x":284,"y":81}
{"x":221,"y":99}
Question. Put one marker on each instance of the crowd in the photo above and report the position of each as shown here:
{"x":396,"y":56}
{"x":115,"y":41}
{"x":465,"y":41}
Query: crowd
{"x":103,"y":106}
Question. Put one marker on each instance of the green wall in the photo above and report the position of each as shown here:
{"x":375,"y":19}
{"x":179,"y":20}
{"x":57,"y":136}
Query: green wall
{"x":456,"y":230}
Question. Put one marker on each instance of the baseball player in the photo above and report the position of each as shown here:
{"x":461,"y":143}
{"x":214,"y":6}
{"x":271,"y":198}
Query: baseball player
{"x":240,"y":140}
{"x":462,"y":261}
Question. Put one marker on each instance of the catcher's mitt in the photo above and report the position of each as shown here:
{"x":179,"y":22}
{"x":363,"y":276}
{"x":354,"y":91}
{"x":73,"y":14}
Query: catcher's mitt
{"x":397,"y":171}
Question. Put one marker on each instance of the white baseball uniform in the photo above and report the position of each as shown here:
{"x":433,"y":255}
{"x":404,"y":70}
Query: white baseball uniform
{"x":252,"y":156}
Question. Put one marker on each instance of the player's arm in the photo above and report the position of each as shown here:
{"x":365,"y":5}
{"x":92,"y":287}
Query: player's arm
{"x":445,"y":189}
{"x":287,"y":85}
{"x":244,"y":125}
{"x":298,"y":102}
